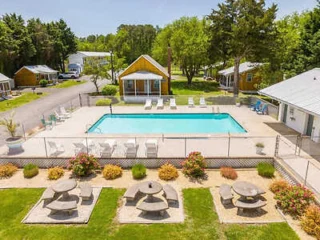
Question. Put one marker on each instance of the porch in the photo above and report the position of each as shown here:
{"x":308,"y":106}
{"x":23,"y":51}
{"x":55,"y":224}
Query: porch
{"x":226,"y":82}
{"x":5,"y":88}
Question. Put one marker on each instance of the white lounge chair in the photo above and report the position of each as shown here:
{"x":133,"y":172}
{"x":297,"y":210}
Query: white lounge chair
{"x":79,"y":148}
{"x":160,"y":103}
{"x":190,"y":102}
{"x":107,"y":147}
{"x":151,"y":148}
{"x":148,"y":104}
{"x":203,"y":102}
{"x":131,"y":148}
{"x":64,"y":112}
{"x":59,"y":116}
{"x":173,"y":104}
{"x":55,"y":148}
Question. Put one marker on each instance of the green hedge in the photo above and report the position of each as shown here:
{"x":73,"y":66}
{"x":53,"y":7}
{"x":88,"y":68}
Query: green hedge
{"x":30,"y":170}
{"x":266,"y":170}
{"x":103,"y":102}
{"x":109,"y":90}
{"x":43,"y":82}
{"x":138,"y":171}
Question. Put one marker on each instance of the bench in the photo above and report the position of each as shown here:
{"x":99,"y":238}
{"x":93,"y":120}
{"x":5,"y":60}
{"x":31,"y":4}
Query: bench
{"x":61,"y":206}
{"x":85,"y":191}
{"x":48,"y":195}
{"x":153,"y":207}
{"x":250,"y":205}
{"x":170,"y":193}
{"x":226,"y":194}
{"x":132,"y":192}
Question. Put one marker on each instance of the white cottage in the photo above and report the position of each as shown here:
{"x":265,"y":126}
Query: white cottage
{"x":299,"y":99}
{"x":77,"y":60}
{"x":5,"y":85}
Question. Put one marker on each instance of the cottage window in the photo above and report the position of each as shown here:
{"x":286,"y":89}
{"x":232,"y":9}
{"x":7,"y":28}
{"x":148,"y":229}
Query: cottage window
{"x":249,"y":77}
{"x":156,"y":84}
{"x":129,"y":84}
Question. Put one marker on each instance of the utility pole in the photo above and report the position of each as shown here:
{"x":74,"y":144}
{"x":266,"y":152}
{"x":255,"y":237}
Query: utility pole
{"x":112,"y":70}
{"x":169,"y":68}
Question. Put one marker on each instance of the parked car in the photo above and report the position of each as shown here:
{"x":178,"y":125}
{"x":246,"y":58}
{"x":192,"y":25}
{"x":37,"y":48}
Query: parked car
{"x":68,"y":75}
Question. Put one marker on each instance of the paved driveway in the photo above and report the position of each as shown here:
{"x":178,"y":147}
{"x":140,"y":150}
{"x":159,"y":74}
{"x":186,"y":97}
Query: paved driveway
{"x":31,"y":113}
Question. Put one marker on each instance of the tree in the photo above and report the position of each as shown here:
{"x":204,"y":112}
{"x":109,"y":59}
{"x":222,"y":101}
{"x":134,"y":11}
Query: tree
{"x":97,"y":71}
{"x":189,"y":42}
{"x":242,"y":29}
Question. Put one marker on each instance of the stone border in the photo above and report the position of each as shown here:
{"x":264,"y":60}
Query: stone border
{"x":242,"y":222}
{"x":214,"y":163}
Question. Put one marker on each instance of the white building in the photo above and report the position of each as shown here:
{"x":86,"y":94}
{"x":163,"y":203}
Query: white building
{"x":6,"y":84}
{"x":299,"y":99}
{"x":80,"y":58}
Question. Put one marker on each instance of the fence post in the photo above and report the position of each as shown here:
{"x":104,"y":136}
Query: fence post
{"x":24,"y":132}
{"x":88,"y":100}
{"x":185,"y":146}
{"x":305,"y":177}
{"x":80,"y":100}
{"x":45,"y":147}
{"x":276,"y":148}
{"x":229,"y":138}
{"x":87,"y":145}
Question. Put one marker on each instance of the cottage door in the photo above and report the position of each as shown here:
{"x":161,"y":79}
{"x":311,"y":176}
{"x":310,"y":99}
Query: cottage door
{"x":310,"y":125}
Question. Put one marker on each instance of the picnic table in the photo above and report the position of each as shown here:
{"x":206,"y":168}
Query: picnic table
{"x":150,"y":188}
{"x":63,"y":187}
{"x":246,"y":190}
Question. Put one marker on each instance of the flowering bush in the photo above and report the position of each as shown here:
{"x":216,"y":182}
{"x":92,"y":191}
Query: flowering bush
{"x":168,"y":172}
{"x":278,"y":185}
{"x":294,"y":199}
{"x":229,"y":173}
{"x":7,"y":170}
{"x":55,"y":173}
{"x":194,"y":165}
{"x":111,"y":171}
{"x":83,"y":164}
{"x":310,"y":222}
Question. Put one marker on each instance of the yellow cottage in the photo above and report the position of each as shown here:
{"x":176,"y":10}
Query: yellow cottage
{"x":144,"y":78}
{"x":248,"y":77}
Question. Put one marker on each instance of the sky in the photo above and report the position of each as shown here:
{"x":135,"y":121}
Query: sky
{"x":87,"y":17}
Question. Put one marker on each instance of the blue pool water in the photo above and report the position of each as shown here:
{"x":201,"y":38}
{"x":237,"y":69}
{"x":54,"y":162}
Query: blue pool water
{"x":166,"y":123}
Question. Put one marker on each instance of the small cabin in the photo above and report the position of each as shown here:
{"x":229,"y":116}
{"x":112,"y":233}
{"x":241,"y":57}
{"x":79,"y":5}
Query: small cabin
{"x":144,"y":78}
{"x":5,"y":86}
{"x":31,"y":75}
{"x":248,"y":77}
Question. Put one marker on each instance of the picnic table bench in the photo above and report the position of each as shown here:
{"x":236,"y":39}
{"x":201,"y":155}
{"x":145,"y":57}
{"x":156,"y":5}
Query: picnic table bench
{"x":62,"y":206}
{"x":85,"y":191}
{"x":250,"y":205}
{"x":170,"y":193}
{"x":132,"y":192}
{"x":225,"y":193}
{"x":153,"y":207}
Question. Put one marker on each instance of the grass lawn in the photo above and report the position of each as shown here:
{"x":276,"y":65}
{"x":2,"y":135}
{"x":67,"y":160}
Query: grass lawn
{"x":201,"y":222}
{"x":19,"y":101}
{"x":68,"y":83}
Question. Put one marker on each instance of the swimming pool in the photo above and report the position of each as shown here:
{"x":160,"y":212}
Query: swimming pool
{"x":166,"y":123}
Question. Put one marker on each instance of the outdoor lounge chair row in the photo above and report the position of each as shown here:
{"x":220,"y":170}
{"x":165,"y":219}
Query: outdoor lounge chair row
{"x":172,"y":103}
{"x":259,"y":108}
{"x":107,"y":147}
{"x":59,"y":115}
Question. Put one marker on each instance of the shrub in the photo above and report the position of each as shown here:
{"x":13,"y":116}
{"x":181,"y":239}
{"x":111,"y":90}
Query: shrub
{"x":138,"y":171}
{"x":260,"y":145}
{"x":103,"y":102}
{"x":109,"y":90}
{"x":278,"y":185}
{"x":294,"y":200}
{"x":265,"y":170}
{"x":310,"y":221}
{"x":83,"y":164}
{"x":7,"y":170}
{"x":194,"y":165}
{"x":30,"y":170}
{"x":43,"y":82}
{"x":55,"y":173}
{"x":111,"y":171}
{"x":229,"y":173}
{"x":168,"y":172}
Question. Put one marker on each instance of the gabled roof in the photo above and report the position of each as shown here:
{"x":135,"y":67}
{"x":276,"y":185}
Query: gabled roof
{"x":244,"y":67}
{"x":142,"y":75}
{"x":301,"y":91}
{"x":150,"y":60}
{"x":38,"y":69}
{"x":94,"y":54}
{"x":3,"y":77}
